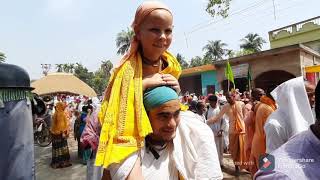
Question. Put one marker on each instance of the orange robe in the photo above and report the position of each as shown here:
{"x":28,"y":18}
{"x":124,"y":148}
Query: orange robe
{"x":249,"y":123}
{"x":262,"y":112}
{"x":236,"y":132}
{"x":236,"y":138}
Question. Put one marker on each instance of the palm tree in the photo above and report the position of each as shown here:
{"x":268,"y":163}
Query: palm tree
{"x":214,"y":50}
{"x":106,"y":66}
{"x":230,"y":53}
{"x":71,"y":67}
{"x":123,"y":41}
{"x":2,"y":57}
{"x":59,"y":67}
{"x":66,"y":68}
{"x":252,"y":42}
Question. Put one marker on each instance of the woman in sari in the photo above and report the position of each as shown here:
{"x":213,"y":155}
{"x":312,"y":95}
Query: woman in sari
{"x":60,"y":132}
{"x":147,"y":64}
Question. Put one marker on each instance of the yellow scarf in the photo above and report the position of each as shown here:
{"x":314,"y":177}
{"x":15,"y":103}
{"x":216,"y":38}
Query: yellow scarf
{"x":124,"y":120}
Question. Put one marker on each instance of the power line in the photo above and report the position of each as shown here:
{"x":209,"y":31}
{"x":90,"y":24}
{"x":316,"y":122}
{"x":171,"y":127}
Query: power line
{"x":244,"y":20}
{"x":259,"y":3}
{"x":236,"y":11}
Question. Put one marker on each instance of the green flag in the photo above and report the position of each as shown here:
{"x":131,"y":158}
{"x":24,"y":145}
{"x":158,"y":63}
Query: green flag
{"x":229,"y":73}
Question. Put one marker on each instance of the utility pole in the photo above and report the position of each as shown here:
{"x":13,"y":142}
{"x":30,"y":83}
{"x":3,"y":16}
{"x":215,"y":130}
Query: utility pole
{"x":274,"y":10}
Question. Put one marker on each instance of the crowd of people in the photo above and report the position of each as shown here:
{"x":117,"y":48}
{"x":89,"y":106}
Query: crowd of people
{"x":254,"y":123}
{"x":72,"y":116}
{"x":144,"y":130}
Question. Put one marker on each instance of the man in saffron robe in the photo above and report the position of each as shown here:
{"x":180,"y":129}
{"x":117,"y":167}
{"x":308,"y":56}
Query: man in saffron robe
{"x":234,"y":110}
{"x":249,"y":120}
{"x":262,"y":112}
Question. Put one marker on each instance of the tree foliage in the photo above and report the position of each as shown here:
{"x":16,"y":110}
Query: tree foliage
{"x":59,"y":67}
{"x":106,"y":66}
{"x":2,"y":57}
{"x":83,"y":73}
{"x":196,"y":61}
{"x":252,"y":42}
{"x":214,"y":50}
{"x":218,"y":7}
{"x":243,"y":52}
{"x":123,"y":41}
{"x":183,"y":63}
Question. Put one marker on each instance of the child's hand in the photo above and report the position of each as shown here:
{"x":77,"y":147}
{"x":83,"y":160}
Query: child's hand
{"x":153,"y":80}
{"x":172,"y":81}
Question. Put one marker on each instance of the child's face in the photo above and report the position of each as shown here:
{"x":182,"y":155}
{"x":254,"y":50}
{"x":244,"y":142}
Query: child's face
{"x":155,"y":34}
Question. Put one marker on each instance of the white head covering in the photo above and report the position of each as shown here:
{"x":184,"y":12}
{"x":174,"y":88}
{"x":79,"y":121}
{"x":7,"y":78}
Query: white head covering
{"x":96,"y":103}
{"x":291,"y":98}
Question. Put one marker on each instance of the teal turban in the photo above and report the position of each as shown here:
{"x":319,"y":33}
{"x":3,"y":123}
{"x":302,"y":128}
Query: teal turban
{"x":157,"y":96}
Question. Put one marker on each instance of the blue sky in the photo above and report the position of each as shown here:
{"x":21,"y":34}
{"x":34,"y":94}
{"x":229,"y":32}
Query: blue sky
{"x":35,"y":32}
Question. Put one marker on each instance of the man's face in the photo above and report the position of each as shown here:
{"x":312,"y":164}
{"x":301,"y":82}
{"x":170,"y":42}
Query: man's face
{"x":231,"y":98}
{"x":155,"y":34}
{"x":213,"y":104}
{"x":202,"y":108}
{"x":164,"y":120}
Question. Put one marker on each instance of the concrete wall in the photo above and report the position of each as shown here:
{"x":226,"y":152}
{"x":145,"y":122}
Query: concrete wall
{"x":209,"y":78}
{"x":192,"y":84}
{"x":289,"y":62}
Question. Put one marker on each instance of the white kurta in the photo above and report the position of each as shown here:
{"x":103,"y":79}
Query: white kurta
{"x":216,"y":127}
{"x":193,"y":155}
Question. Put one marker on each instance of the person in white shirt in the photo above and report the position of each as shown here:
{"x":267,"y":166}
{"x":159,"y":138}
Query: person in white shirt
{"x":178,"y":148}
{"x":217,"y":127}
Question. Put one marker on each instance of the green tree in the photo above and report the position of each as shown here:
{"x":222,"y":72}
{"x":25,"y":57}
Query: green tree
{"x":99,"y":81}
{"x":71,"y":67}
{"x":218,"y":7}
{"x":106,"y":66}
{"x":252,"y":42}
{"x":2,"y":57}
{"x":196,"y":61}
{"x":206,"y":60}
{"x":83,"y":73}
{"x":66,"y":68}
{"x":184,"y":64}
{"x":123,"y":41}
{"x":59,"y":67}
{"x":243,"y":52}
{"x":214,"y":50}
{"x":230,"y":53}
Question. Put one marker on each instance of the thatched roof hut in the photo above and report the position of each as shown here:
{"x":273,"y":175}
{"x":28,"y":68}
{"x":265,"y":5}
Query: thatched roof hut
{"x":55,"y":83}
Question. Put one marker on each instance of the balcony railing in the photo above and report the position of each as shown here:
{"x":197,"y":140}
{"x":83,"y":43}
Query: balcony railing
{"x":295,"y":27}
